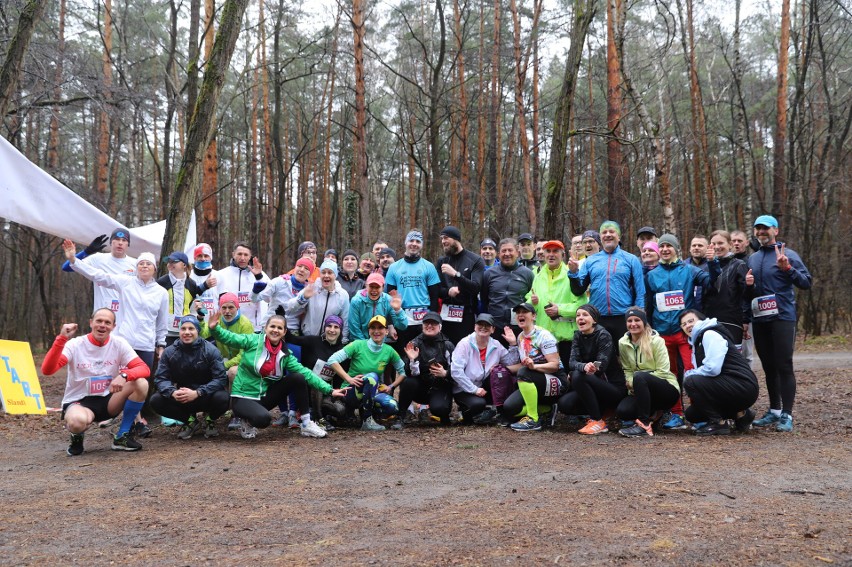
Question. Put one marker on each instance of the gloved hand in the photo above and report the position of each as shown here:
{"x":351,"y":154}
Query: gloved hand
{"x":97,"y":245}
{"x":754,"y":243}
{"x":280,"y":311}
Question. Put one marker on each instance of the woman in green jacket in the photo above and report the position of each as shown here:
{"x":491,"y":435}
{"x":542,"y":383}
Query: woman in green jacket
{"x":650,"y":383}
{"x":267,"y":374}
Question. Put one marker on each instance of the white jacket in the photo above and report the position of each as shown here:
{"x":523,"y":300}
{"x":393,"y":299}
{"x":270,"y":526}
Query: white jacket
{"x":277,"y":293}
{"x":104,"y":296}
{"x":320,"y":305}
{"x":467,"y":369}
{"x":240,"y":282}
{"x":142,"y":319}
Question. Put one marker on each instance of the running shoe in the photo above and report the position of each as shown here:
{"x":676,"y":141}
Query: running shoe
{"x":594,"y":427}
{"x":527,"y":424}
{"x":503,"y":421}
{"x":371,"y":425}
{"x":210,"y":429}
{"x":743,"y":423}
{"x":125,"y":443}
{"x":76,"y":446}
{"x":485,"y":417}
{"x":281,"y":421}
{"x":676,"y":421}
{"x":293,"y":421}
{"x":785,"y":423}
{"x":247,"y":431}
{"x":234,"y":424}
{"x":638,"y":429}
{"x":714,"y":428}
{"x":768,"y":418}
{"x":326,"y":425}
{"x":140,"y":429}
{"x":189,"y":429}
{"x":311,"y":429}
{"x":698,"y":425}
{"x":169,"y":422}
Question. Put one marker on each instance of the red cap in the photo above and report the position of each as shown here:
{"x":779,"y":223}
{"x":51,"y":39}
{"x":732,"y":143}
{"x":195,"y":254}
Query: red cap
{"x":553,"y":244}
{"x":306,"y":262}
{"x":376,"y":278}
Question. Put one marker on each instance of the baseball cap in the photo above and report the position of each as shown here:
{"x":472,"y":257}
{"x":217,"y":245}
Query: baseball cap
{"x":644,"y":229}
{"x":485,"y":318}
{"x":526,"y":236}
{"x":178,"y":256}
{"x":553,"y":244}
{"x":376,"y":278}
{"x":766,"y":220}
{"x":378,"y":319}
{"x":525,"y":306}
{"x":432,"y":316}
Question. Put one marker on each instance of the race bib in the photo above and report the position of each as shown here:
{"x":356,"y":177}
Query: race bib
{"x":552,"y":385}
{"x":113,"y":306}
{"x":764,"y":306}
{"x":99,"y":385}
{"x":415,"y":315}
{"x":670,"y":301}
{"x":453,"y":313}
{"x":513,"y":320}
{"x":176,"y":323}
{"x":208,"y":304}
{"x":243,"y":297}
{"x":322,"y":370}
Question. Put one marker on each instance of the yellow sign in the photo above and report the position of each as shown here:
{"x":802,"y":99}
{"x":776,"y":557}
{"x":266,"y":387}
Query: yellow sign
{"x":20,"y":391}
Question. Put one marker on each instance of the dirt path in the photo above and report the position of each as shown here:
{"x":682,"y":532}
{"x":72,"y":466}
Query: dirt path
{"x":468,"y":496}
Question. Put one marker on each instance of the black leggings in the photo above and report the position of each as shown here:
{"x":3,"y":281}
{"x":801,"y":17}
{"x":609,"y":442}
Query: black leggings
{"x":718,"y":397}
{"x":515,"y":402}
{"x":426,"y":390}
{"x":256,"y":412}
{"x":590,"y":395}
{"x":650,"y":394}
{"x":617,"y":327}
{"x":774,"y":342}
{"x":214,"y":404}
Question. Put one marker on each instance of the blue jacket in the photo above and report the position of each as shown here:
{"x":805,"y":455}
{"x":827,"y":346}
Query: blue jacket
{"x":362,"y":309}
{"x":616,"y":281}
{"x":769,"y":279}
{"x":675,"y":277}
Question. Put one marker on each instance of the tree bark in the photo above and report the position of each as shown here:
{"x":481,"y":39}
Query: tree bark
{"x":209,"y":232}
{"x":185,"y":196}
{"x":618,"y":180}
{"x":102,"y":173}
{"x":360,"y":176}
{"x":13,"y":63}
{"x":584,"y":13}
{"x":779,"y":185}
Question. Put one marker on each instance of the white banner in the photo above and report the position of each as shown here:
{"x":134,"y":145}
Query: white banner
{"x":31,"y":197}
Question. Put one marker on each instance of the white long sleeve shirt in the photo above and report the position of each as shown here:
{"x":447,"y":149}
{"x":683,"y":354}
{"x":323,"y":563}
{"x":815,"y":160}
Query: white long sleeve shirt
{"x":104,"y":296}
{"x":143,"y":318}
{"x":240,"y":282}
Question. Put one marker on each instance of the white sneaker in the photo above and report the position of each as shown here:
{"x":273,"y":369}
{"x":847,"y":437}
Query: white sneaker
{"x":246,"y":430}
{"x":311,"y":429}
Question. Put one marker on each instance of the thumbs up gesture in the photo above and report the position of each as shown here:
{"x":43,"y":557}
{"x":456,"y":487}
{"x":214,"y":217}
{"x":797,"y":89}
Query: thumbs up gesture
{"x":749,"y":279}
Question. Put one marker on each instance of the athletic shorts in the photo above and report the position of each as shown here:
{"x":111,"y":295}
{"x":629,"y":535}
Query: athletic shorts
{"x":98,"y":405}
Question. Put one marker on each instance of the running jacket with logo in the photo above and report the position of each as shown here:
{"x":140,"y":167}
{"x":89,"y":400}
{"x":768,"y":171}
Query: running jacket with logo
{"x":362,"y":309}
{"x":502,"y":289}
{"x":673,"y":277}
{"x":468,"y":369}
{"x":595,"y":347}
{"x":209,"y":296}
{"x":413,"y":280}
{"x":276,"y":293}
{"x":553,"y":286}
{"x":633,"y":360}
{"x":104,"y":296}
{"x":240,"y":282}
{"x":614,"y":279}
{"x":249,"y":383}
{"x":769,"y":279}
{"x":190,"y":291}
{"x":142,"y":321}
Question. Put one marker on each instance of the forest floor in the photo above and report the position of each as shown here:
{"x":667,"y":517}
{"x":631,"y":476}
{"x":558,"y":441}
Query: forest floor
{"x":438,"y":496}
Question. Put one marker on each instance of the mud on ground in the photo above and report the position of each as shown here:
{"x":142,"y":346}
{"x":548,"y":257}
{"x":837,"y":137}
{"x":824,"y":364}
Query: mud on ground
{"x":437,"y":496}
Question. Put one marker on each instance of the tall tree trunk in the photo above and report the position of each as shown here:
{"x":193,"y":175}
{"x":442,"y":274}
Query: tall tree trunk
{"x":462,"y":150}
{"x":53,"y":139}
{"x":618,"y":181}
{"x":495,"y":179}
{"x":13,"y":62}
{"x":279,"y":236}
{"x":185,"y":194}
{"x":102,"y":174}
{"x":779,"y":185}
{"x":165,"y":176}
{"x":209,"y":232}
{"x":434,"y":191}
{"x":194,"y":55}
{"x":584,"y":13}
{"x":360,"y":175}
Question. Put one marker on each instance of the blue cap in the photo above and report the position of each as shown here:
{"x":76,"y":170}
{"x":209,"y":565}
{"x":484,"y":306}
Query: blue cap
{"x":178,"y":256}
{"x":766,"y":220}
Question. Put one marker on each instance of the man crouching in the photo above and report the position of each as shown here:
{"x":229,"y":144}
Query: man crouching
{"x":103,"y":380}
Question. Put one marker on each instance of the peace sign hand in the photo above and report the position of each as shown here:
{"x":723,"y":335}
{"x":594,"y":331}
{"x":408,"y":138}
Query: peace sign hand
{"x":781,"y":259}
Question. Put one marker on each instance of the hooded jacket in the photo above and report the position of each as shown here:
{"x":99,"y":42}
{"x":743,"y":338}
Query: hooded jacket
{"x":769,"y":280}
{"x":320,"y":305}
{"x":632,"y":360}
{"x":555,"y":287}
{"x":616,"y":281}
{"x":597,"y":346}
{"x":662,"y":283}
{"x":467,"y":368}
{"x":724,"y":299}
{"x":438,"y":347}
{"x":362,"y":309}
{"x":197,"y":366}
{"x":715,"y":354}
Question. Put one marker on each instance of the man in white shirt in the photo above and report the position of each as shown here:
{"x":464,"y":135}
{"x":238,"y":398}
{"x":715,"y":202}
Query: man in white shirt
{"x":116,"y":261}
{"x":239,"y":278}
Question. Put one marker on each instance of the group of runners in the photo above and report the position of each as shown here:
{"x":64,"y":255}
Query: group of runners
{"x":513,"y":335}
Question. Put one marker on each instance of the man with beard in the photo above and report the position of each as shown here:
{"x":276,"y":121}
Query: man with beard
{"x":505,"y":286}
{"x":387,"y":256}
{"x":461,"y":278}
{"x":417,"y":282}
{"x":615,"y":280}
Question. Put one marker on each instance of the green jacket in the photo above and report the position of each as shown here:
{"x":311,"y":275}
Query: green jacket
{"x":556,"y":290}
{"x":248,"y":383}
{"x":232,"y":355}
{"x":633,"y":361}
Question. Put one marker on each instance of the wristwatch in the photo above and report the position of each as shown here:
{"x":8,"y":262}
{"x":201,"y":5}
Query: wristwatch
{"x":123,"y":375}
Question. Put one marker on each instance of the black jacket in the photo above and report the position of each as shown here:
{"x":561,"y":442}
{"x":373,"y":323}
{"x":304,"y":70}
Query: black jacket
{"x":735,"y":365}
{"x":197,"y":366}
{"x":595,"y":347}
{"x":439,"y":347}
{"x":725,"y":298}
{"x":352,"y":285}
{"x":470,"y":268}
{"x":502,"y":289}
